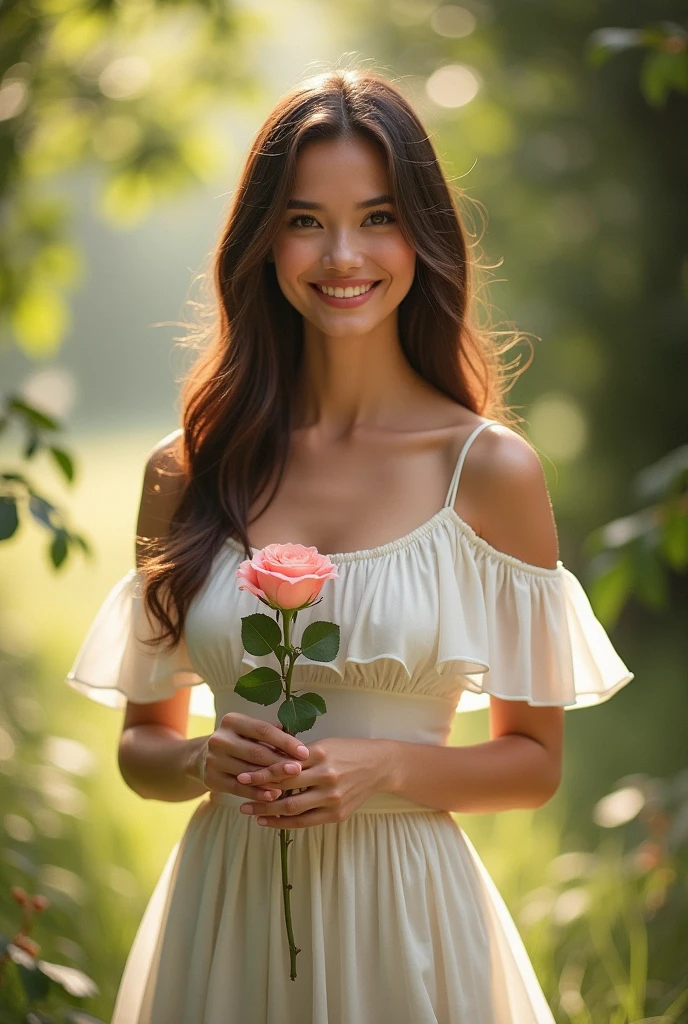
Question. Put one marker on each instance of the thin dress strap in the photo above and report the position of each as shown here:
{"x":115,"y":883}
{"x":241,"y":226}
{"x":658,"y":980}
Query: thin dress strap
{"x":454,"y":485}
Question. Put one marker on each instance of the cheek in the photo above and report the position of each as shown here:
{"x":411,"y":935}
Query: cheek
{"x":294,"y":255}
{"x":399,"y":260}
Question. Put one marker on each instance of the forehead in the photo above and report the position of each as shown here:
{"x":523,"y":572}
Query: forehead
{"x":354,"y":168}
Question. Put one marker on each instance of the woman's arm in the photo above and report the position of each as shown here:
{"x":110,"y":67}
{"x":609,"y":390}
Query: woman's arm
{"x":520,"y":766}
{"x":155,"y":758}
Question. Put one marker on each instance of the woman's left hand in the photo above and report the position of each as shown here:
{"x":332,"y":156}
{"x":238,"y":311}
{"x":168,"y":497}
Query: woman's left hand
{"x":339,"y":774}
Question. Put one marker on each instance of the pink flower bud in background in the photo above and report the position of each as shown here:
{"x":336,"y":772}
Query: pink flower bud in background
{"x":28,"y":945}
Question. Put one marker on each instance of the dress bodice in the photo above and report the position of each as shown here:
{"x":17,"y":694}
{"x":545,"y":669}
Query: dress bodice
{"x":434,"y":622}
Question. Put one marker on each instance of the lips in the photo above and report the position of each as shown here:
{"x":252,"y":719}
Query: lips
{"x":341,"y":302}
{"x":350,"y":282}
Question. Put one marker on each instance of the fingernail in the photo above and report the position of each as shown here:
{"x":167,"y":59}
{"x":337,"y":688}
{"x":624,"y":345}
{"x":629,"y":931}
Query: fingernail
{"x":292,"y":768}
{"x":302,"y":751}
{"x":261,"y":821}
{"x":244,"y":777}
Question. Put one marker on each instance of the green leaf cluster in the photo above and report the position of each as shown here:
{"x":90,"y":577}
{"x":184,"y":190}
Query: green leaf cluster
{"x":18,"y":495}
{"x":261,"y":635}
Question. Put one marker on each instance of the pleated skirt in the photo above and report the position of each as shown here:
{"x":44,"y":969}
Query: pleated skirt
{"x":397,"y":919}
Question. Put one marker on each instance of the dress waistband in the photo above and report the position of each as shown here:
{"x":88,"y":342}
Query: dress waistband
{"x":379,"y":803}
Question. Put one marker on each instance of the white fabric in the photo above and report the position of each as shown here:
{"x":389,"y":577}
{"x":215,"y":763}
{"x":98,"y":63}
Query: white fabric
{"x":114,"y":666}
{"x":396,"y":916}
{"x":467,"y":618}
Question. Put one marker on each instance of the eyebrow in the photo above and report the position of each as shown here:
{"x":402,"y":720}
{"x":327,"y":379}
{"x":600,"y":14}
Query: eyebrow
{"x":303,"y":204}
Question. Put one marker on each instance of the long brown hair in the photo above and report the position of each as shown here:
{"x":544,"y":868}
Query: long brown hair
{"x":237,"y":397}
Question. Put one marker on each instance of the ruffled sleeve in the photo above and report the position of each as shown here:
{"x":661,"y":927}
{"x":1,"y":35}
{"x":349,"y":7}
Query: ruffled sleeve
{"x":539,"y":637}
{"x":113,"y":666}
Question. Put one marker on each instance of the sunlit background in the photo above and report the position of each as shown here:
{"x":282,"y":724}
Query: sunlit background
{"x":123,"y":128}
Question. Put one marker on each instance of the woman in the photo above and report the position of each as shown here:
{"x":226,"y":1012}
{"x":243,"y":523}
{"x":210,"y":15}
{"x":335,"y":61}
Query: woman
{"x":344,"y":384}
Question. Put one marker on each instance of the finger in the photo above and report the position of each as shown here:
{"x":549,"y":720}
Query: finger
{"x":251,"y":756}
{"x":224,"y":782}
{"x":289,"y":806}
{"x":234,"y":766}
{"x":265,"y":732}
{"x":245,"y":773}
{"x":280,"y":772}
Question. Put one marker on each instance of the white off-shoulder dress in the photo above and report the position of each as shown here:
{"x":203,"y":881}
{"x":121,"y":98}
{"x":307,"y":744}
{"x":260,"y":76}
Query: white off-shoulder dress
{"x":397,"y":918}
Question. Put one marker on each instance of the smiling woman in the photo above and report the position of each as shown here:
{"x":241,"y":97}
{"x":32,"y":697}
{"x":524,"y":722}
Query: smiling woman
{"x":344,"y":246}
{"x":344,"y":376}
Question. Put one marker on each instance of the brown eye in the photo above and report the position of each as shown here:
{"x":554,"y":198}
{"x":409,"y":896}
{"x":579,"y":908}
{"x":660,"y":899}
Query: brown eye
{"x":302,"y":216}
{"x":382,"y":213}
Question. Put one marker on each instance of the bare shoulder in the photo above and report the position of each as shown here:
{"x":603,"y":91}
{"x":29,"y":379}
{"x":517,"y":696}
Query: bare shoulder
{"x":507,"y":485}
{"x":163,"y":486}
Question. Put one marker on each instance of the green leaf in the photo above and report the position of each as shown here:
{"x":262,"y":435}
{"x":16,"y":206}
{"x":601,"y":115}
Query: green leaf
{"x":9,"y":520}
{"x":59,"y":547}
{"x":259,"y":634}
{"x":660,"y":73}
{"x":316,"y":700}
{"x":32,"y":446}
{"x":64,"y":461}
{"x":262,"y":685}
{"x":82,"y":542}
{"x":320,"y":641}
{"x":297,"y":715}
{"x":33,"y":416}
{"x":42,"y":510}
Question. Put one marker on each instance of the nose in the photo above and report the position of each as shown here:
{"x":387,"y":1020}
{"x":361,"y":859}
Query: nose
{"x":342,"y":252}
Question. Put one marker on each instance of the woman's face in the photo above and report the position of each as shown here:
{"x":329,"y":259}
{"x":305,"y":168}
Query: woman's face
{"x":333,"y":234}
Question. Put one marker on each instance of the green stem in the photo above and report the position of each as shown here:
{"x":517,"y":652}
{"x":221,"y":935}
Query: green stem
{"x":285,"y":839}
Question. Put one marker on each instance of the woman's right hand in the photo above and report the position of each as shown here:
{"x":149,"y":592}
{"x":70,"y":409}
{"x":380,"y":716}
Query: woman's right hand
{"x":242,"y":744}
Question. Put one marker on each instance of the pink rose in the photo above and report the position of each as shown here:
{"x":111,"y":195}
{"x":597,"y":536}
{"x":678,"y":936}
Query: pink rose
{"x":286,"y":575}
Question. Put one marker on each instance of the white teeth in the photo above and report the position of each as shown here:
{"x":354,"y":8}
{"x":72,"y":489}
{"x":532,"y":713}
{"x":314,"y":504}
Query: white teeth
{"x":345,"y":293}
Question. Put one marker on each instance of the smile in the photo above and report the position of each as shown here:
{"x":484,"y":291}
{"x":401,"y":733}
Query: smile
{"x":345,"y":298}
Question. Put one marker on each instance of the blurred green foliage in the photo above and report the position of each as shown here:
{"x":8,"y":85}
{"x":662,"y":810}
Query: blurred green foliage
{"x":129,"y":86}
{"x":18,"y":494}
{"x":665,"y":64}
